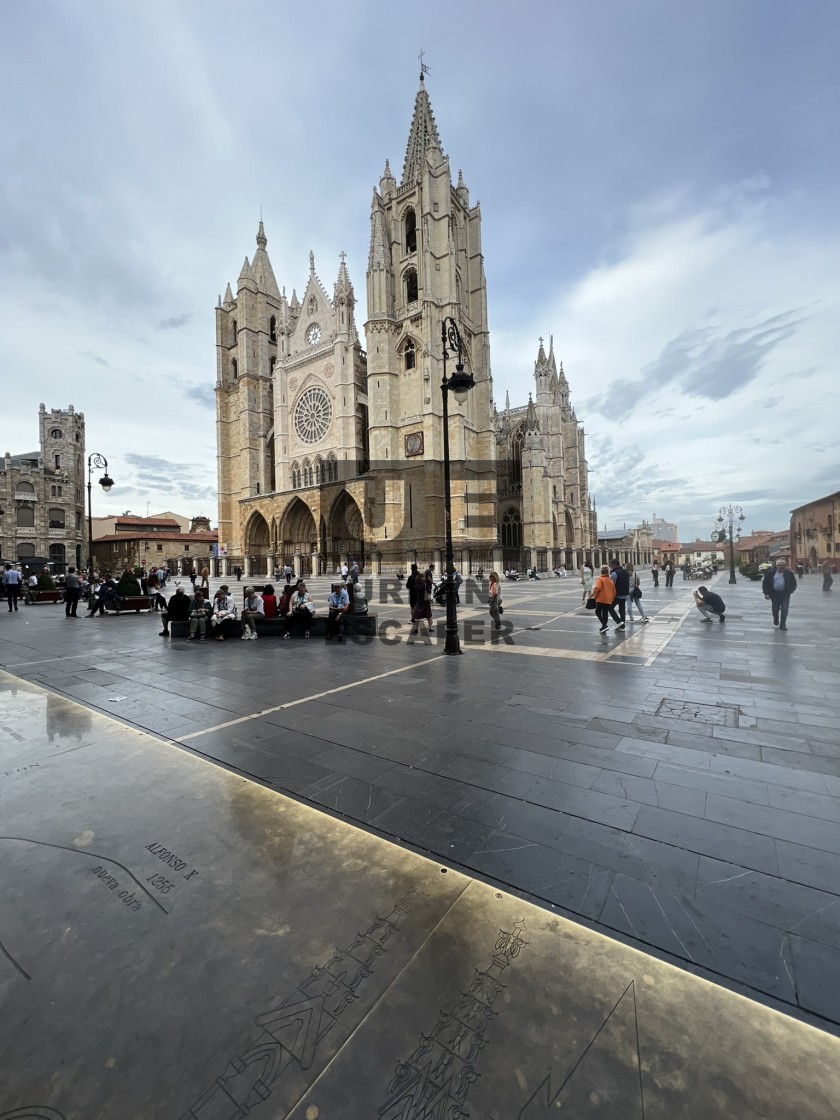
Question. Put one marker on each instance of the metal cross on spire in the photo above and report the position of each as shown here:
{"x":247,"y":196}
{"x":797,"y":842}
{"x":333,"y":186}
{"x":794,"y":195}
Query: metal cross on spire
{"x":424,"y":69}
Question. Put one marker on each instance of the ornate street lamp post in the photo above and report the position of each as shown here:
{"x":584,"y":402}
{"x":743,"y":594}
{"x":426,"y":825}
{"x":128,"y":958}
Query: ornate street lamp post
{"x":460,"y":384}
{"x":732,"y":514}
{"x":95,"y":460}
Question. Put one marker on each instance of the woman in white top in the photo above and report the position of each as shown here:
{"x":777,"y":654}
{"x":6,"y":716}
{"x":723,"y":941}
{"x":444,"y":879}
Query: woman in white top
{"x":586,"y":578}
{"x":224,"y":607}
{"x":495,"y":601}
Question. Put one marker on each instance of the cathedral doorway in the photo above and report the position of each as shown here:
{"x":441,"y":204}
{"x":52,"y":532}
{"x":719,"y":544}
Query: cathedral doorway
{"x":345,"y":531}
{"x":298,"y":532}
{"x":257,"y":544}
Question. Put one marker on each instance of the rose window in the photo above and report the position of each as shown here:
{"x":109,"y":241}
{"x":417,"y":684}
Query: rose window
{"x":313,"y":414}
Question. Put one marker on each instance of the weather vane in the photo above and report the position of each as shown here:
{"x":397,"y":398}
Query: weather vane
{"x":424,"y":69}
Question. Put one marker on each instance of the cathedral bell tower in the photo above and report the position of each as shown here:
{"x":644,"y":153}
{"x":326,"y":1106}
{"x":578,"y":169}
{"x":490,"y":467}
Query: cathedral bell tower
{"x":425,"y":264}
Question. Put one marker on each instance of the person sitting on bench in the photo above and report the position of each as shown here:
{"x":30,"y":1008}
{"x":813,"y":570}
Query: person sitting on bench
{"x":302,"y":610}
{"x":199,"y":611}
{"x":269,"y":601}
{"x":224,"y":606}
{"x":251,"y":611}
{"x":177,"y":610}
{"x":107,"y":593}
{"x":338,"y":605}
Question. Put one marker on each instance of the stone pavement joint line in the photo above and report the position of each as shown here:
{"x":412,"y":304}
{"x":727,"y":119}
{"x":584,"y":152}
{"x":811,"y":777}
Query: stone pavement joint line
{"x":309,"y":699}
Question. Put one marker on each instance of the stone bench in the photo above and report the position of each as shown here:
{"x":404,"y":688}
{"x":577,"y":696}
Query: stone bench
{"x":134,"y":603}
{"x":231,"y":628}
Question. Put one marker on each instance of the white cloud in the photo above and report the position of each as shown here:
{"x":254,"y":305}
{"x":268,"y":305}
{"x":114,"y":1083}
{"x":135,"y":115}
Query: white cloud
{"x":703,"y":346}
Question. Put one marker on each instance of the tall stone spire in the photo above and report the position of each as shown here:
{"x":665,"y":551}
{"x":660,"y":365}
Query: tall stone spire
{"x":423,"y":135}
{"x":343,"y":286}
{"x":261,"y":266}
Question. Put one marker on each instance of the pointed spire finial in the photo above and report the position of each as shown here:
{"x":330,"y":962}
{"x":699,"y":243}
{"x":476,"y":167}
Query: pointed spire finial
{"x":311,"y":261}
{"x":507,"y":401}
{"x":422,"y":137}
{"x":262,"y":240}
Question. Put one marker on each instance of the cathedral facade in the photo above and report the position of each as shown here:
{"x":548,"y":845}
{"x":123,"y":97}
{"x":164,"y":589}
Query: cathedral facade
{"x":327,"y":450}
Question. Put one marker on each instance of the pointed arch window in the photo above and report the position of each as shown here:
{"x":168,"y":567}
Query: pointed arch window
{"x":296,"y":475}
{"x":308,"y":474}
{"x":332,"y":468}
{"x":319,"y":471}
{"x":272,"y":329}
{"x":511,"y":529}
{"x":516,"y":459}
{"x":410,"y":230}
{"x":233,"y":332}
{"x":234,"y":369}
{"x":409,"y":354}
{"x":411,"y":288}
{"x":272,"y":362}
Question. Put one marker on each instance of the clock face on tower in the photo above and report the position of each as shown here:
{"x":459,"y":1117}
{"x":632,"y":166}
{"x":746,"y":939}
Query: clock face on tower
{"x":313,"y":335}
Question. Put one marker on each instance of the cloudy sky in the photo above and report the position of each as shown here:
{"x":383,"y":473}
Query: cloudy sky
{"x":658,"y":185}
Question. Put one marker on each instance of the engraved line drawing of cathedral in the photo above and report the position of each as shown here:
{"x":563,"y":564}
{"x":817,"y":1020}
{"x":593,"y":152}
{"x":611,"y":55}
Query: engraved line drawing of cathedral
{"x":327,"y":450}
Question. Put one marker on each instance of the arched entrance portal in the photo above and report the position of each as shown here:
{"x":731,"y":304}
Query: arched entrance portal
{"x":257,"y":544}
{"x":297,"y":532}
{"x":345,"y":532}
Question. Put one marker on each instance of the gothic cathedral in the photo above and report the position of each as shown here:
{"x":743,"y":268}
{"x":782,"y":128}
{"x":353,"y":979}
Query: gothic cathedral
{"x":327,"y":451}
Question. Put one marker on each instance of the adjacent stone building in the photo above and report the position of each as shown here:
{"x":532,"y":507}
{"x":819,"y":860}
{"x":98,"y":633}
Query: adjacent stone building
{"x":167,"y":540}
{"x":42,"y":496}
{"x":327,"y":450}
{"x":814,"y":535}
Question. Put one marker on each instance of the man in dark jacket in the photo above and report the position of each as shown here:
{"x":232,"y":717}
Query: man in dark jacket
{"x":709,"y":603}
{"x":778,"y":585}
{"x":621,"y":578}
{"x":177,"y":610}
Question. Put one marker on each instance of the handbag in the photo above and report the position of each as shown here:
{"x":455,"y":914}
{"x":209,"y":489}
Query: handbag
{"x":637,"y":592}
{"x":590,"y":604}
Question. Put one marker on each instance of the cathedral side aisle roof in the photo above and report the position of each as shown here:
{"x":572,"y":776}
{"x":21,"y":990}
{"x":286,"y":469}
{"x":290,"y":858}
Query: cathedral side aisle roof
{"x":423,"y":135}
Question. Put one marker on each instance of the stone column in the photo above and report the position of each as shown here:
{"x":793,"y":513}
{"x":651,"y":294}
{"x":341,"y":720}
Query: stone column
{"x":497,"y":560}
{"x":298,"y":565}
{"x":247,"y":571}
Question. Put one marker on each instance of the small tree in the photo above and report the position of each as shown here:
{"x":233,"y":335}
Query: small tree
{"x":45,"y":580}
{"x":128,"y":585}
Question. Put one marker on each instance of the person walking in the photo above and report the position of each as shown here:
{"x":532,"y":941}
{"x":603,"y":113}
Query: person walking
{"x":193,"y":578}
{"x":495,"y":600}
{"x":12,"y":580}
{"x":634,"y":596}
{"x":424,"y":585}
{"x":412,"y":586}
{"x":654,"y":571}
{"x":603,"y":592}
{"x":587,"y":577}
{"x":709,"y":603}
{"x":828,"y":578}
{"x":621,"y":578}
{"x":237,"y":571}
{"x":778,"y":585}
{"x":72,"y":593}
{"x":205,"y":579}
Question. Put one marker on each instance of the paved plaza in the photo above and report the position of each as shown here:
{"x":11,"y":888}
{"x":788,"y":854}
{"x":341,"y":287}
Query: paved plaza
{"x":675,"y":787}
